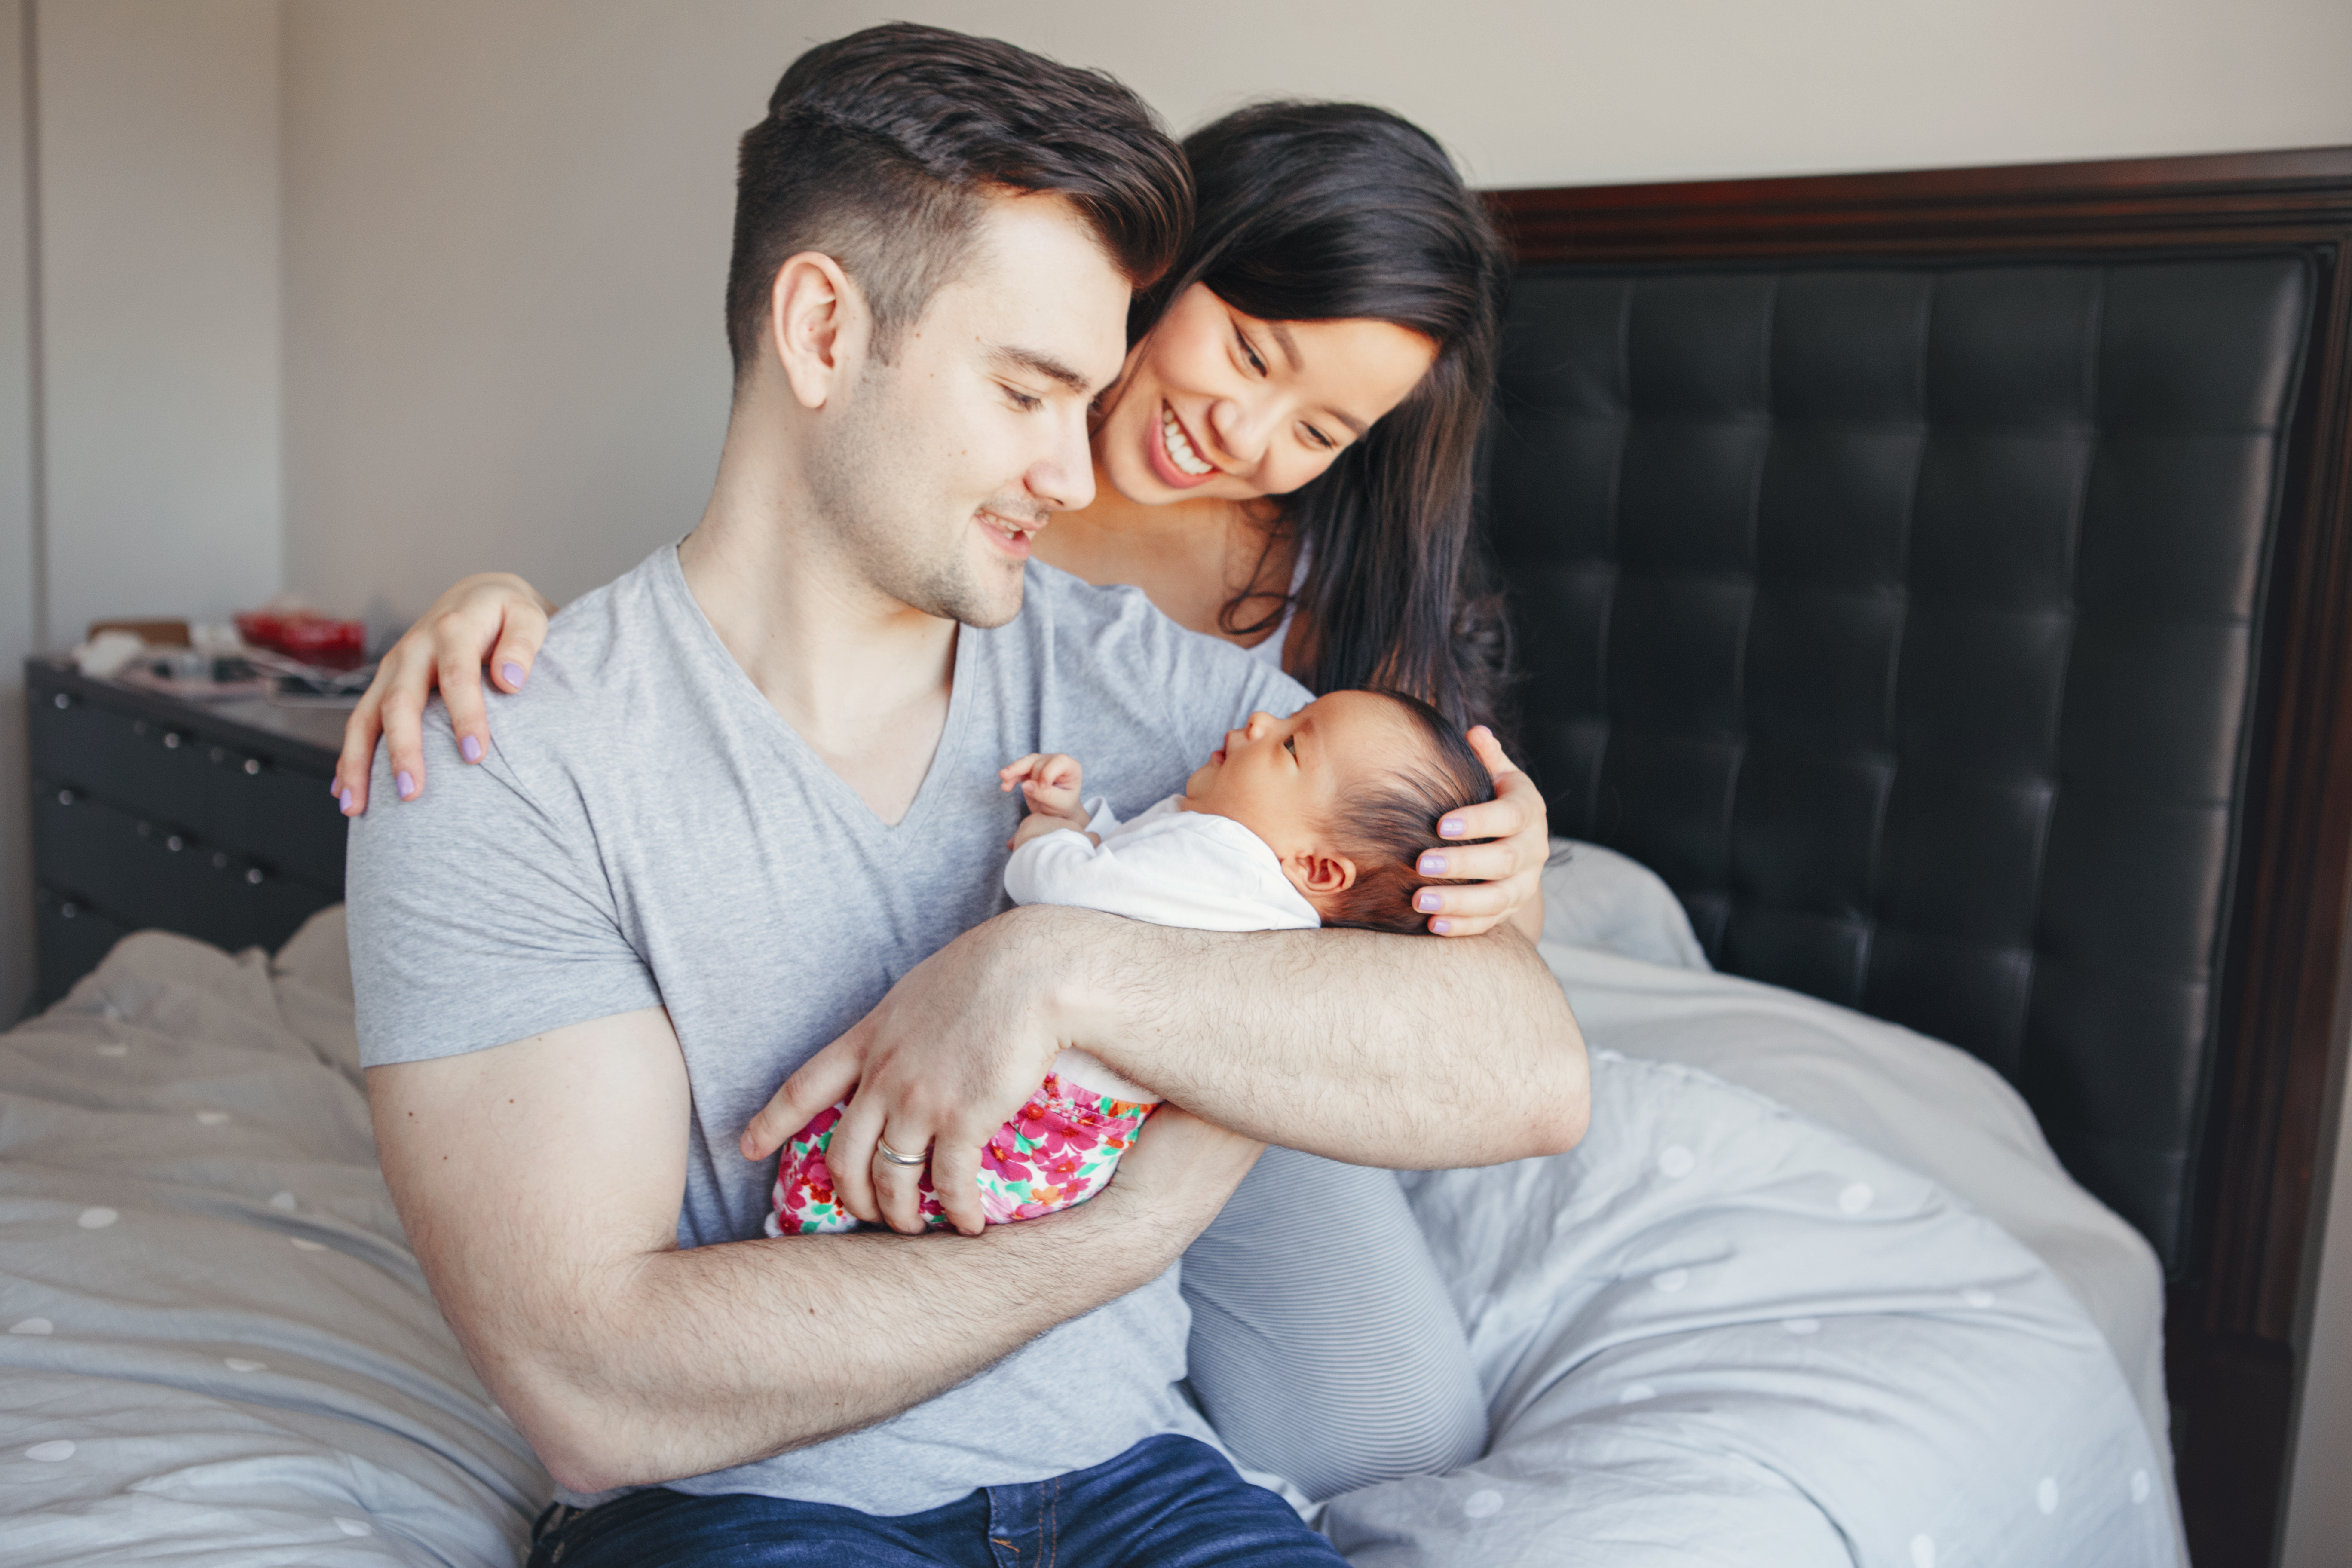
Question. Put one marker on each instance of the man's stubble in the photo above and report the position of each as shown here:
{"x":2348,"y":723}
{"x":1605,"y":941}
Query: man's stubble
{"x":882,"y":522}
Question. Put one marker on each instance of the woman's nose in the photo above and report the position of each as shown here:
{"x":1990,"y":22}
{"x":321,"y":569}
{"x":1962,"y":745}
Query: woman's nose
{"x":1241,"y":430}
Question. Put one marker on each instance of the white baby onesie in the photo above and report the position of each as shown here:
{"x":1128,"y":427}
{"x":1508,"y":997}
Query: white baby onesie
{"x":1170,"y":866}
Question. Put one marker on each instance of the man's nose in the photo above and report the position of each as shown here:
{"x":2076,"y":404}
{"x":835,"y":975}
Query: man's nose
{"x":1064,"y":478}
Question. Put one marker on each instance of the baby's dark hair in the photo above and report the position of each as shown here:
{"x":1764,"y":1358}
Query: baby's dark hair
{"x":1386,"y":826}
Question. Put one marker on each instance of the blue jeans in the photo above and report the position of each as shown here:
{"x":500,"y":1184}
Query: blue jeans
{"x":1168,"y":1502}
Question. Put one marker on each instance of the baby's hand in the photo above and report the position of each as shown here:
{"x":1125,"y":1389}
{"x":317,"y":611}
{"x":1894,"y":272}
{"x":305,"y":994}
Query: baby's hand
{"x":1049,"y":784}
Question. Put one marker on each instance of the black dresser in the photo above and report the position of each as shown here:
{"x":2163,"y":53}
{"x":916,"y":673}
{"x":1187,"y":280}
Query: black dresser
{"x":211,"y":819}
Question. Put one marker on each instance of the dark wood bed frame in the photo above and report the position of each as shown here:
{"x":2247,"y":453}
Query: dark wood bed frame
{"x":2235,"y":1320}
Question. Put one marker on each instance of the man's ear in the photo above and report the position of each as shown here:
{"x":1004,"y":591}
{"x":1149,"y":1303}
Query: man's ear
{"x":817,"y":326}
{"x":1320,"y":876}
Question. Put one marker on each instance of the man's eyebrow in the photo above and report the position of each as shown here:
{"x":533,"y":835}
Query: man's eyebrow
{"x":1045,"y":365}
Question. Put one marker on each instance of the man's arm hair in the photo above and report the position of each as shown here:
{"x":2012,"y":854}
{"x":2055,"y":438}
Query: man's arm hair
{"x":1410,"y":1052}
{"x":1364,"y":1047}
{"x":539,"y":1182}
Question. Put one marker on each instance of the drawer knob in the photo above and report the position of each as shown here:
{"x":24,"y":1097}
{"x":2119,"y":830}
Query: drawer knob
{"x":171,"y":740}
{"x":139,"y":726}
{"x":62,"y":701}
{"x":252,"y":765}
{"x":252,"y":876}
{"x":220,"y":861}
{"x":67,"y":911}
{"x":174,"y":844}
{"x":65,"y":797}
{"x":219,"y":755}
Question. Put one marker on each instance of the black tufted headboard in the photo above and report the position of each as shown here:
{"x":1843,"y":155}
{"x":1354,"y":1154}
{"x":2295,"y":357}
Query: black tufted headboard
{"x":1903,"y":620}
{"x":1945,"y":582}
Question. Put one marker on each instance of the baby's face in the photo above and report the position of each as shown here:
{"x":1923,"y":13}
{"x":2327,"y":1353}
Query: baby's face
{"x":1285,"y":779}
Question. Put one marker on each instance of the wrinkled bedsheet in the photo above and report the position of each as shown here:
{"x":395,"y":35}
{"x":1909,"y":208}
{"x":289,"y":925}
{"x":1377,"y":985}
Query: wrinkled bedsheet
{"x":1717,"y":1333}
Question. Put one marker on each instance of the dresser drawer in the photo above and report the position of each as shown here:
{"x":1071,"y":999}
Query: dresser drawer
{"x":142,"y":872}
{"x":231,"y":796}
{"x":73,"y":937}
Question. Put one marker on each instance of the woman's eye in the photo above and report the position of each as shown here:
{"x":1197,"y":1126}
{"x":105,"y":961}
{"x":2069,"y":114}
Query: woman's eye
{"x":1318,"y":440}
{"x":1290,"y":744}
{"x":1250,"y":353}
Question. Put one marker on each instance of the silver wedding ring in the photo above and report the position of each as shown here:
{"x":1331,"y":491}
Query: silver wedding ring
{"x":896,"y":1158}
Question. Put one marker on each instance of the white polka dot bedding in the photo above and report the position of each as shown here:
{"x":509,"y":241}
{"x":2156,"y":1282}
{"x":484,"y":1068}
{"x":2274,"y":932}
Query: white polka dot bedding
{"x":1718,"y":1331}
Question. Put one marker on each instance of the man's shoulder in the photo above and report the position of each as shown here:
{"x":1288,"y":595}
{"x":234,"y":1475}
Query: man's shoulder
{"x":608,"y":653}
{"x":1115,"y":635}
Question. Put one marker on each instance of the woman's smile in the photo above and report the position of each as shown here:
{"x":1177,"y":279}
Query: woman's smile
{"x":1174,"y":459}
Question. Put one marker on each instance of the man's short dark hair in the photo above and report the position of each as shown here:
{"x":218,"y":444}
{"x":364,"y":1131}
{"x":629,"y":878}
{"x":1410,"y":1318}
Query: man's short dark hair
{"x":1385,"y":828}
{"x":879,"y":150}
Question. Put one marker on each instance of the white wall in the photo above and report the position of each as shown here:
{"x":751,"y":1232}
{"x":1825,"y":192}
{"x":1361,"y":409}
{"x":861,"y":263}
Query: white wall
{"x":18,"y":570}
{"x":160,"y":249}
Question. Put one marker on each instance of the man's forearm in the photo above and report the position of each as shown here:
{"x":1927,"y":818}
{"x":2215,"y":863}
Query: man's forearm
{"x":539,"y":1182}
{"x":716,"y":1356}
{"x":1405,"y":1052}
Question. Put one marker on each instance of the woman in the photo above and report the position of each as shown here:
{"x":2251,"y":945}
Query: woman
{"x":1233,"y":486}
{"x":1286,"y":463}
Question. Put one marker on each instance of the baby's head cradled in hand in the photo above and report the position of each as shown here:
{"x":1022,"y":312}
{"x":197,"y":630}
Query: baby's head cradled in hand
{"x":1347,"y":792}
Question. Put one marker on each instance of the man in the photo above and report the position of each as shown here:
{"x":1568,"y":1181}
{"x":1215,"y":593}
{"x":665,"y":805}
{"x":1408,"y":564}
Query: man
{"x":754,"y":796}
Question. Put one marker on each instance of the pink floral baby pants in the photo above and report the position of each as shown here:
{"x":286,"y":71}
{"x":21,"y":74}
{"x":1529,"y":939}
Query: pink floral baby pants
{"x":1059,"y":1150}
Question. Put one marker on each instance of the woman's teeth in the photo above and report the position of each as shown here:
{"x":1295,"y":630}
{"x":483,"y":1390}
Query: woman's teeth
{"x":1179,"y":450}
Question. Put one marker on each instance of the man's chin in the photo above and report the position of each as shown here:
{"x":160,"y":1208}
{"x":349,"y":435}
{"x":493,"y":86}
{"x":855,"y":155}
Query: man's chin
{"x":986,"y":609}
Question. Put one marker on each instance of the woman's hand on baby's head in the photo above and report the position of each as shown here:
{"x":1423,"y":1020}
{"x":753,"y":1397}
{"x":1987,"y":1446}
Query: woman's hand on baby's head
{"x":1503,"y":875}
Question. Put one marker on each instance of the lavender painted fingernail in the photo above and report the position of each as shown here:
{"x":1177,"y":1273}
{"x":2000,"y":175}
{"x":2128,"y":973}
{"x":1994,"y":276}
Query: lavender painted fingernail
{"x":1432,"y":865}
{"x":1450,"y":828}
{"x":1441,"y":927}
{"x":405,"y":784}
{"x":346,"y":798}
{"x":335,"y":788}
{"x":512,"y":671}
{"x":470,"y":749}
{"x":1428,"y":902}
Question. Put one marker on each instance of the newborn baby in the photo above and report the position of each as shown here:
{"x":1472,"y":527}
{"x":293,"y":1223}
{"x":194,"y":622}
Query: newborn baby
{"x":1315,"y":819}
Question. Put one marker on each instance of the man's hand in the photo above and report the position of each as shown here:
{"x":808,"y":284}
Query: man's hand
{"x":941,"y":1064}
{"x":1051,"y":784}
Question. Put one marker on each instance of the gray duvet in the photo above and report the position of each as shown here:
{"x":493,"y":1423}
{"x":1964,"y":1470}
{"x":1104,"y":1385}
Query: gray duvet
{"x":1715,"y":1334}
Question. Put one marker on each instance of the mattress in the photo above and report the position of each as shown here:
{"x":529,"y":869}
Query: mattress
{"x":219,"y":1349}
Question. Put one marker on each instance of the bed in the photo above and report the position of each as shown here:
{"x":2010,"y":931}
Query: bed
{"x":1845,"y":1273}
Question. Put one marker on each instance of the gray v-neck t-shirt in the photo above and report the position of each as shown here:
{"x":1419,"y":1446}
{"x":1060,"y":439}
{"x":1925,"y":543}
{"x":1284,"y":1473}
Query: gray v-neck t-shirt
{"x":648,"y":831}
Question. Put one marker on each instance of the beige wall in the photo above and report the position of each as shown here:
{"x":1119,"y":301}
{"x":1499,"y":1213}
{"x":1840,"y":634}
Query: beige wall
{"x":18,"y":570}
{"x":506,"y":225}
{"x":159,"y":250}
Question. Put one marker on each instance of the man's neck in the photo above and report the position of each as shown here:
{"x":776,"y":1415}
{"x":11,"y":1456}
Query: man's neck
{"x":862,"y":678}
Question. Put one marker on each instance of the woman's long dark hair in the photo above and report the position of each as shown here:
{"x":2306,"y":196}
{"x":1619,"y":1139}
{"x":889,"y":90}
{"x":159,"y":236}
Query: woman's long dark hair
{"x":1317,"y":212}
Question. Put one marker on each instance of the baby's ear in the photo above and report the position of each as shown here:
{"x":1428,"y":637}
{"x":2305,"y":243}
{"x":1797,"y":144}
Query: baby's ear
{"x":1317,"y":875}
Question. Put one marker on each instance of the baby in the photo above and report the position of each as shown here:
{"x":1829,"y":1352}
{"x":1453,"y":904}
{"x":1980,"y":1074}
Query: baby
{"x":1316,"y":819}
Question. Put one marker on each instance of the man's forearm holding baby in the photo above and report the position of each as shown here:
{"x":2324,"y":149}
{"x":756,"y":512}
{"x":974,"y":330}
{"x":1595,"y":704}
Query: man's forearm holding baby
{"x":1361,"y":1047}
{"x":625,"y":1359}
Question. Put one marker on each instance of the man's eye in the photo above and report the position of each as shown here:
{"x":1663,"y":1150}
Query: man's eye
{"x":1023,"y":402}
